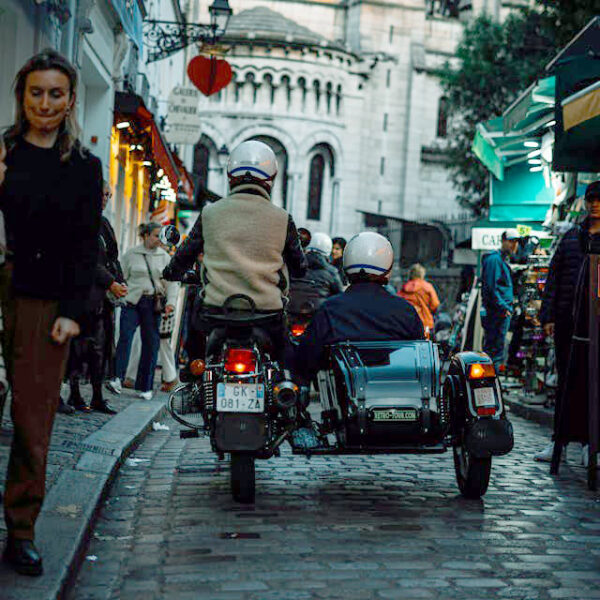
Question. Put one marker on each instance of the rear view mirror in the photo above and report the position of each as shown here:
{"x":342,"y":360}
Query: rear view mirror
{"x":169,"y":235}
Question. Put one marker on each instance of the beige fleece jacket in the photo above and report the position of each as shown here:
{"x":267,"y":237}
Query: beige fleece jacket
{"x":244,"y":238}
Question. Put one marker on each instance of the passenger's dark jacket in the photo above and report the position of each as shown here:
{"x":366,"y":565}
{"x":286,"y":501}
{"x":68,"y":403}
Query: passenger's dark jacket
{"x":52,"y":212}
{"x":365,"y":312}
{"x":324,"y":275}
{"x":559,"y":293}
{"x":496,"y":287}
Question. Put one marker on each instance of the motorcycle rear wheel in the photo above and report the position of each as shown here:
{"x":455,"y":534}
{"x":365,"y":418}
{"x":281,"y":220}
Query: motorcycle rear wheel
{"x":472,"y":473}
{"x":243,"y":478}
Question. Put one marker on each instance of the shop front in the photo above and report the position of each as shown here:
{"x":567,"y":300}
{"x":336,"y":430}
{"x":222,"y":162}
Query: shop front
{"x":541,"y":153}
{"x":143,"y":175}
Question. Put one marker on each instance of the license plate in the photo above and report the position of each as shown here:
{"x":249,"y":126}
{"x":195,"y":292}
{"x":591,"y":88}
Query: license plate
{"x":395,"y":414}
{"x":240,"y":397}
{"x":484,"y":396}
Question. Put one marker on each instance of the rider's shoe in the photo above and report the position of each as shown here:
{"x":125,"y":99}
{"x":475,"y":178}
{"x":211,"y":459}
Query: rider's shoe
{"x":305,"y":438}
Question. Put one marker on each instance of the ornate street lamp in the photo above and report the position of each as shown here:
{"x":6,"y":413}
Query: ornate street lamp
{"x":220,"y":13}
{"x":163,"y":38}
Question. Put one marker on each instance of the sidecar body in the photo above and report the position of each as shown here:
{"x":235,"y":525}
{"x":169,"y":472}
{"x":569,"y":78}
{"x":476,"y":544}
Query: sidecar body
{"x":387,"y":397}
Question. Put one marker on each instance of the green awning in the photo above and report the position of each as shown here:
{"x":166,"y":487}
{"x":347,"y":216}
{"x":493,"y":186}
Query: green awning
{"x":522,"y":197}
{"x":484,"y":149}
{"x":534,"y":105}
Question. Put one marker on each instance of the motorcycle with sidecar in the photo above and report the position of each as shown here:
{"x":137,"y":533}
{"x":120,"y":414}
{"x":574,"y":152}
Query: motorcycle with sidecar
{"x":376,"y":397}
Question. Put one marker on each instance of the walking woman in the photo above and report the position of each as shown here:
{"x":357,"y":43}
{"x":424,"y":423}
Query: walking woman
{"x":142,"y":268}
{"x":52,"y":202}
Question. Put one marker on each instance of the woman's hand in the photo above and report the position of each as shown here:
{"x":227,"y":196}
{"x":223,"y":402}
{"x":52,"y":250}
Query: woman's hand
{"x":64,"y":329}
{"x":169,"y":308}
{"x":118,"y":289}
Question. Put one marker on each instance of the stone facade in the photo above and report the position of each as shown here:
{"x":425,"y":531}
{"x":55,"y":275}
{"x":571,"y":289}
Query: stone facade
{"x":343,"y":88}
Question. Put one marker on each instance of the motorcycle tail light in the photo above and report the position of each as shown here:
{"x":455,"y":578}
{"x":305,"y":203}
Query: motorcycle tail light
{"x":480,"y":371}
{"x":298,"y":329}
{"x":486,"y":411}
{"x":240,"y":360}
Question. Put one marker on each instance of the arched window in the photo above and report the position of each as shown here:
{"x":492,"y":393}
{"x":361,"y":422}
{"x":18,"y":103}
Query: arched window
{"x":315,"y":187}
{"x":442,"y":123}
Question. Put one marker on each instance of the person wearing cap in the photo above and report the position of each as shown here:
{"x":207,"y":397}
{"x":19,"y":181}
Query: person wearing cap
{"x":497,"y":297}
{"x":558,"y":309}
{"x":364,"y":312}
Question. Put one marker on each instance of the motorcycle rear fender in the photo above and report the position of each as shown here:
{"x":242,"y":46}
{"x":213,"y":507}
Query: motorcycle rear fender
{"x":240,"y":432}
{"x":489,"y":437}
{"x":464,"y":387}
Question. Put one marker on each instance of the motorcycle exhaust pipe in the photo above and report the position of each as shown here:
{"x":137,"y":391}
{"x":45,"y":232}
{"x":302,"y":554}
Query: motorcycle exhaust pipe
{"x":286,"y":394}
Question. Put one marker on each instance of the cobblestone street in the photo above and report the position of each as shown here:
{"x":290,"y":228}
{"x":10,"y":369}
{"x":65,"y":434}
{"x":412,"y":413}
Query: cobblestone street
{"x":348,"y":527}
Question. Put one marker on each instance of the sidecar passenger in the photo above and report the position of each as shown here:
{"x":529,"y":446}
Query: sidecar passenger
{"x":364,"y":312}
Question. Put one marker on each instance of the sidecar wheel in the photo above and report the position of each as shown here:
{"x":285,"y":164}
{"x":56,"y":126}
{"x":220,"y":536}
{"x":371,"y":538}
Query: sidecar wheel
{"x":472,"y":473}
{"x":243,"y":478}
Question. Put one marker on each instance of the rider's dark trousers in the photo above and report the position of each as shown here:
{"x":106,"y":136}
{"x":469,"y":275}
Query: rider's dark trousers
{"x":36,"y":369}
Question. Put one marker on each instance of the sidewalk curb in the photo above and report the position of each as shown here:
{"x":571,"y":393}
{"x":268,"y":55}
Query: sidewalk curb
{"x":71,"y":506}
{"x":531,"y":412}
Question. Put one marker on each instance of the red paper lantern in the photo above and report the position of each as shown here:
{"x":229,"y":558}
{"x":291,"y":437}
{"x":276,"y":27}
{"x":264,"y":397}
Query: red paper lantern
{"x":209,"y":75}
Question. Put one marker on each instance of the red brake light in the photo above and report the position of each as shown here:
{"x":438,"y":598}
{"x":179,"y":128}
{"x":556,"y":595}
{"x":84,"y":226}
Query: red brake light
{"x":480,"y":371}
{"x":298,"y":329}
{"x":240,"y":361}
{"x":486,"y":411}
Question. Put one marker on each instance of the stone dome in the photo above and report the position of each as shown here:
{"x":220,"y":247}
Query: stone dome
{"x":261,"y":24}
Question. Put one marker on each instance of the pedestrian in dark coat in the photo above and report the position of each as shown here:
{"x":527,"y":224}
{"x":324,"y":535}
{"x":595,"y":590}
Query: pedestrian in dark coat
{"x":497,"y":297}
{"x":52,"y":202}
{"x":94,"y":346}
{"x":565,"y":298}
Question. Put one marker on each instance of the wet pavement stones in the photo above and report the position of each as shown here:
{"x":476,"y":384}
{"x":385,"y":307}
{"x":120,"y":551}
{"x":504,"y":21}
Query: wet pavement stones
{"x":354,"y":527}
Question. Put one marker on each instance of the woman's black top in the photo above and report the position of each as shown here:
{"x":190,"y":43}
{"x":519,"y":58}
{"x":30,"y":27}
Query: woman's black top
{"x":52,"y":212}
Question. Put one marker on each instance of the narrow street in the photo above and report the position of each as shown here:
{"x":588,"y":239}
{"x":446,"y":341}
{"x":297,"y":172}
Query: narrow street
{"x":351,"y":527}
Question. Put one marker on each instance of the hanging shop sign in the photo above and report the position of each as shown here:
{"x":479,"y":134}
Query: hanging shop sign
{"x":483,"y":238}
{"x":209,"y":75}
{"x":183,"y":120}
{"x":490,"y":238}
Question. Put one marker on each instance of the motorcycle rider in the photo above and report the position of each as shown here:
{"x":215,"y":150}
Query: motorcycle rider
{"x":321,"y":279}
{"x":365,"y":311}
{"x":248,"y":243}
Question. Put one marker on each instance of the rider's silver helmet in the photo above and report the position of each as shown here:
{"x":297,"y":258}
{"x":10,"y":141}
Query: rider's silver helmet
{"x":320,"y":242}
{"x":252,"y":163}
{"x":369,"y":253}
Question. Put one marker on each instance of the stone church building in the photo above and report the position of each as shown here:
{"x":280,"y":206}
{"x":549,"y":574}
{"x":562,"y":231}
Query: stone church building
{"x":346,"y":93}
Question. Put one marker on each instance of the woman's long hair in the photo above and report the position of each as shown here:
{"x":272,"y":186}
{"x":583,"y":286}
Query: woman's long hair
{"x":69,"y":131}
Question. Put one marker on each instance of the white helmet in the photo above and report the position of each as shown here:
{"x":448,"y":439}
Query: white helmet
{"x":320,"y":242}
{"x":368,"y":252}
{"x":252,"y":162}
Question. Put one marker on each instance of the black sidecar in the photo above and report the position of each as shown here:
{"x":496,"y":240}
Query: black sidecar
{"x":386,"y":397}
